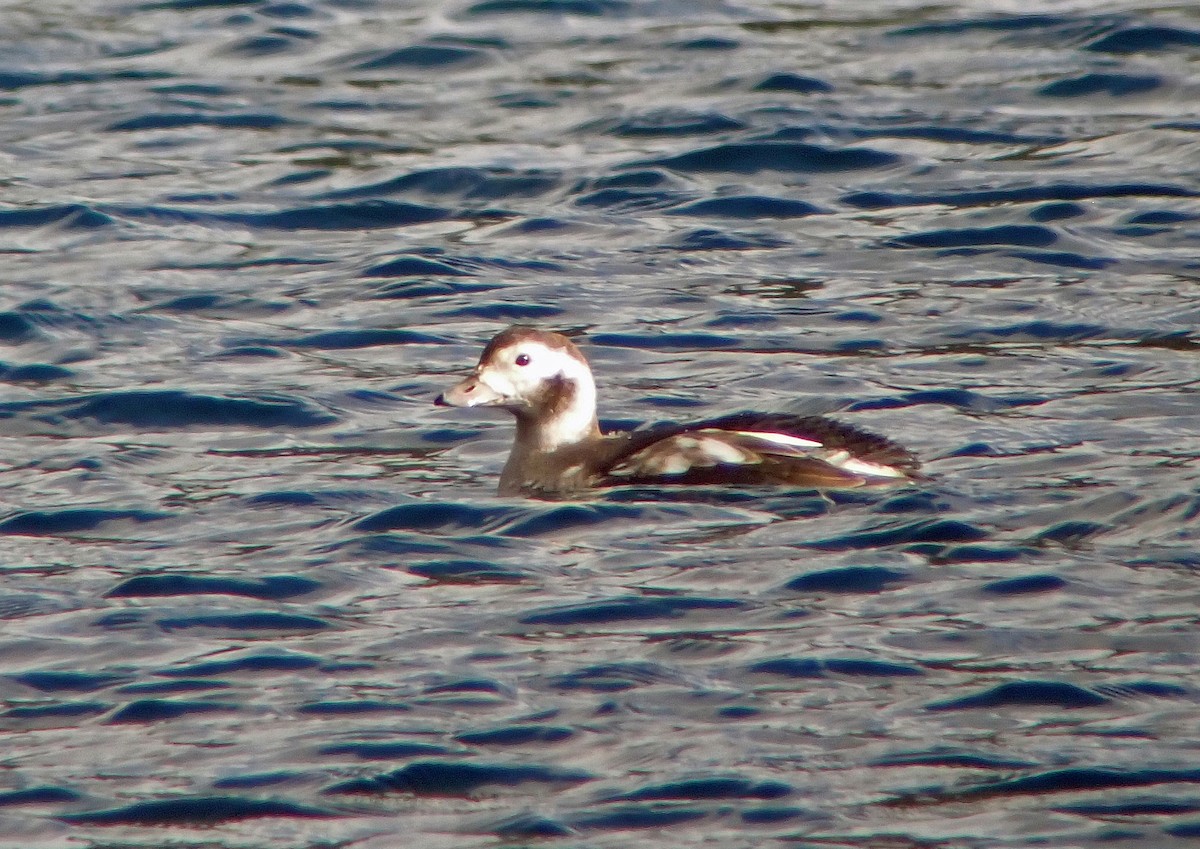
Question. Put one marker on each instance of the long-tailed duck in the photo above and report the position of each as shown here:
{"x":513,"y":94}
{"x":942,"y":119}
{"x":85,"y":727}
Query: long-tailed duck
{"x":543,"y":380}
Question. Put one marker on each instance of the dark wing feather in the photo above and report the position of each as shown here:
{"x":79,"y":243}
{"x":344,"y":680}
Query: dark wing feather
{"x":829,"y":432}
{"x":636,"y":457}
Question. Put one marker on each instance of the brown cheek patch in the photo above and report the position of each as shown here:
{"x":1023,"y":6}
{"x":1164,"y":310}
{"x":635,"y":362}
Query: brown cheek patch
{"x":555,"y":396}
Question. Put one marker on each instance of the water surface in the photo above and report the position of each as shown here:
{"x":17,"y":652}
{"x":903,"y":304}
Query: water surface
{"x":260,"y":592}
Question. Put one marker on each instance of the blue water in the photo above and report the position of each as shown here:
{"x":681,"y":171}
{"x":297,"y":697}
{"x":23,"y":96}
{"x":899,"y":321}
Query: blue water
{"x":258,"y":591}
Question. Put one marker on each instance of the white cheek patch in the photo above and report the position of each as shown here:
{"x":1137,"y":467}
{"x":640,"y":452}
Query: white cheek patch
{"x":498,"y":382}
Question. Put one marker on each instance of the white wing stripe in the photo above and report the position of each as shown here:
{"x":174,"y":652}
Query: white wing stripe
{"x":783,"y":439}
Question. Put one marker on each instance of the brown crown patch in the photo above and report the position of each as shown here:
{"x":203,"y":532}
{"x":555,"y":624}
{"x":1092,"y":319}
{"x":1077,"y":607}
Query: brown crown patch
{"x":519,"y":333}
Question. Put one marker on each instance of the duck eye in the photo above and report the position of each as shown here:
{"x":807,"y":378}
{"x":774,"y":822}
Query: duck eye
{"x":522,"y":359}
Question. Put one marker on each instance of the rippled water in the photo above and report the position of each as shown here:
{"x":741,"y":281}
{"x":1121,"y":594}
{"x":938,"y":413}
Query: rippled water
{"x":259,"y":592}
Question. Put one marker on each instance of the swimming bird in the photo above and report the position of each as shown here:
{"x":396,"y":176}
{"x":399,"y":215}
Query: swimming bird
{"x":544,"y":380}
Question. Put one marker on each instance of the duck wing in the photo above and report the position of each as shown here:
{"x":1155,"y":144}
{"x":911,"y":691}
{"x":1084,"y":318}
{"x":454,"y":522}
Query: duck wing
{"x":748,"y":448}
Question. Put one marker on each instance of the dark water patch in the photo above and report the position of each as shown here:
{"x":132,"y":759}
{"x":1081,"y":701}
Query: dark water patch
{"x":790,"y":667}
{"x":998,"y":23}
{"x":1146,"y":39}
{"x":1024,"y":585}
{"x":437,"y":517}
{"x":737,"y":712}
{"x":773,"y":814}
{"x":287,"y":11}
{"x":721,"y":240}
{"x":499,"y":311}
{"x":15,"y":328}
{"x":570,"y":517}
{"x":1057,"y":211}
{"x":13,"y":80}
{"x":669,"y":124}
{"x":212,"y":302}
{"x":1114,"y":85}
{"x":634,"y":817}
{"x":613,"y":677}
{"x":271,"y":587}
{"x":455,"y":519}
{"x":50,"y":523}
{"x":458,"y":778}
{"x":924,"y":531}
{"x":68,"y":216}
{"x":1065,"y":259}
{"x":849,"y":579}
{"x":38,"y":796}
{"x":299,"y":178}
{"x":748,"y":206}
{"x":394,"y":751}
{"x":1136,"y":807}
{"x":170,"y":688}
{"x":1069,"y":780}
{"x":580,"y":8}
{"x":665,"y":341}
{"x":626,"y":609}
{"x":642,"y":178}
{"x":793,"y":84}
{"x":291,"y":498}
{"x":68,"y":712}
{"x":631,"y":817}
{"x":465,"y":572}
{"x":277,"y":40}
{"x":353,"y":708}
{"x":253,"y":662}
{"x":458,"y":184}
{"x":629,"y":200}
{"x":416,"y":57}
{"x":240,"y":264}
{"x":1029,"y":194}
{"x":407,"y":290}
{"x":248,"y":624}
{"x":1026,"y":235}
{"x":343,"y":340}
{"x":367,"y":215}
{"x":1035,"y":331}
{"x":415,"y":266}
{"x":469,"y":685}
{"x":171,"y":409}
{"x":796,"y":157}
{"x":1143,"y":690}
{"x":160,"y":710}
{"x":1071,"y":533}
{"x":256,"y":780}
{"x":524,"y":827}
{"x":178,"y":120}
{"x":196,"y":810}
{"x":1185,"y":830}
{"x":953,"y":135}
{"x":1025,"y":694}
{"x":879,"y":200}
{"x":73,"y":682}
{"x":696,"y":789}
{"x":953,"y":760}
{"x":1163,"y":216}
{"x":516,"y":735}
{"x":345,"y":147}
{"x":710,"y":43}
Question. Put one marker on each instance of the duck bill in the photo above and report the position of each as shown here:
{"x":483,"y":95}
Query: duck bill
{"x":470,"y":392}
